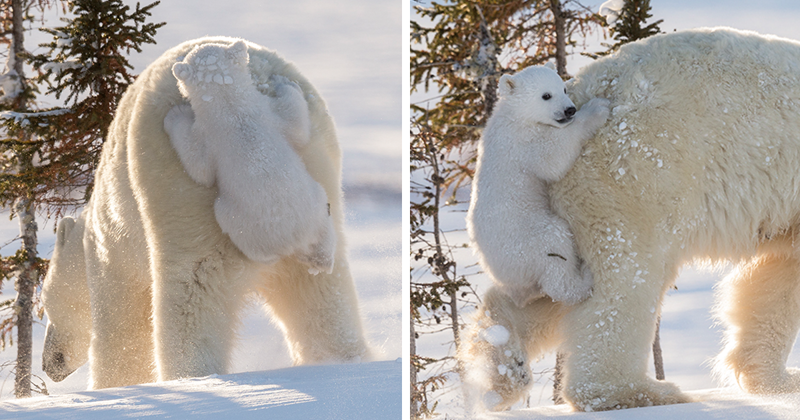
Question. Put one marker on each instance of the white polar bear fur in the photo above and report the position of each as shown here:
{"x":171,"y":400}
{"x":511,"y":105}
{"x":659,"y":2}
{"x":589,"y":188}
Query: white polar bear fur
{"x":237,"y":139}
{"x":532,"y":138}
{"x":65,"y":295}
{"x":699,"y":161}
{"x":165,"y":283}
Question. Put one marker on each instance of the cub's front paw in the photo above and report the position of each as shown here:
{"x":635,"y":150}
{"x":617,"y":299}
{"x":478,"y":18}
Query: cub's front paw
{"x":598,"y":108}
{"x":291,"y":106}
{"x":282,"y":86}
{"x":179,"y":119}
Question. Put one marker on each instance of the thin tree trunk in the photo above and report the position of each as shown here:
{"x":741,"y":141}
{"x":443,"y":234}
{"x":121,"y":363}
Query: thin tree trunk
{"x":18,"y":34}
{"x":440,"y":265}
{"x":487,"y":61}
{"x":558,"y":379}
{"x":560,"y":23}
{"x":25,"y":209}
{"x":23,"y":306}
{"x":658,"y":358}
{"x":412,"y":352}
{"x":456,"y":325}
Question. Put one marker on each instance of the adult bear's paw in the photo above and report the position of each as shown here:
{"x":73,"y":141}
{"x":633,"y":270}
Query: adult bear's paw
{"x":647,"y":393}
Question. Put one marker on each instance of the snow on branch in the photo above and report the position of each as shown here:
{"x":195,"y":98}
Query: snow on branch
{"x":63,"y":41}
{"x":22,"y":117}
{"x":10,"y":82}
{"x":57,"y":68}
{"x":611,"y":10}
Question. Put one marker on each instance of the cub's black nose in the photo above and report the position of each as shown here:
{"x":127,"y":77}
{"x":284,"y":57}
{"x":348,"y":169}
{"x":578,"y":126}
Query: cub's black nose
{"x":569,"y":112}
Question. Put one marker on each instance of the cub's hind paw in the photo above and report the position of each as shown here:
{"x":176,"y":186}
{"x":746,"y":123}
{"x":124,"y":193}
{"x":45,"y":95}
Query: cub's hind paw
{"x":321,"y":255}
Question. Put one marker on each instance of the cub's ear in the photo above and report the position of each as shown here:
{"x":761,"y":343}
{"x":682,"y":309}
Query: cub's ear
{"x":507,"y":85}
{"x":550,"y":66}
{"x":182,"y":71}
{"x":238,"y":52}
{"x":64,"y":229}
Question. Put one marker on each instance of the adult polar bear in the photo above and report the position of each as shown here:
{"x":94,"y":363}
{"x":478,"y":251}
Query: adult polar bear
{"x":699,"y":161}
{"x":165,"y":282}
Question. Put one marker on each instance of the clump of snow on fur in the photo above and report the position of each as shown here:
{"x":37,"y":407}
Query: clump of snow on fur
{"x":496,"y":335}
{"x":611,"y":10}
{"x":491,"y":399}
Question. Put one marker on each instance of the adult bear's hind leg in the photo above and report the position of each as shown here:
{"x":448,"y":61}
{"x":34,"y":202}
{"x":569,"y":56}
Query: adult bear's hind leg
{"x":196,"y":305}
{"x":318,"y":314}
{"x":761,"y":308}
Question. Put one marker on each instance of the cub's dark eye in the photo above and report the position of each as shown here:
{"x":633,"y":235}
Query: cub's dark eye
{"x":546,"y":96}
{"x":565,"y":90}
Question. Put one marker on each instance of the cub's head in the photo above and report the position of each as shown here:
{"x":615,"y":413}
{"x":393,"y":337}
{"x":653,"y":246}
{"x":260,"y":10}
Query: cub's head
{"x":211,"y":67}
{"x":537,"y":95}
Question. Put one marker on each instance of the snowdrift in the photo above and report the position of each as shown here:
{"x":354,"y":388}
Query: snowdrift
{"x":721,"y":404}
{"x":367,"y":391}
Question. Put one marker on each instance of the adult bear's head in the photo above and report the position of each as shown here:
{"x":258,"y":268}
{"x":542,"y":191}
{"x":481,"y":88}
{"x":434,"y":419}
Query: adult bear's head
{"x":65,"y":296}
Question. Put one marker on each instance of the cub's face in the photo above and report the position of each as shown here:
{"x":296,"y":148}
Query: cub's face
{"x":537,"y":95}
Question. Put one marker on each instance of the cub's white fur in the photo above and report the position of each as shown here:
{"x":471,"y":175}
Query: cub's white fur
{"x":237,"y":139}
{"x":532,"y":138}
{"x":162,"y":284}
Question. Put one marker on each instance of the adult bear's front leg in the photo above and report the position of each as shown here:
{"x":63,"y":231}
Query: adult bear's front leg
{"x":121,"y":350}
{"x":609,"y":336}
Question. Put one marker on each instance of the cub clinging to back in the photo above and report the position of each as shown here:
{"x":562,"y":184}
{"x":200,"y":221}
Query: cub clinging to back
{"x":532,"y":138}
{"x":246,"y":144}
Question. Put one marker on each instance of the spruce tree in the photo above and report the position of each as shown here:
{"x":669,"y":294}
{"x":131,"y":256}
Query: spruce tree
{"x":630,"y":24}
{"x":18,"y":159}
{"x":459,"y":50}
{"x":459,"y":54}
{"x":48,"y":156}
{"x":86,"y":63}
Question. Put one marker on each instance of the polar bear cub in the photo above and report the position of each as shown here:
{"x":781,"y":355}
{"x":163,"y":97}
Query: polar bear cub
{"x":532,"y":138}
{"x":246,"y":144}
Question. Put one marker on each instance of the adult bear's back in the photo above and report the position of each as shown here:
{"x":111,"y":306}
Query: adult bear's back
{"x":703,"y":142}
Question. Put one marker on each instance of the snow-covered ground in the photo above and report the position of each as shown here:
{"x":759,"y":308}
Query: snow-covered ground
{"x":354,"y":392}
{"x":690,"y":337}
{"x":352,"y":54}
{"x":714,"y":404}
